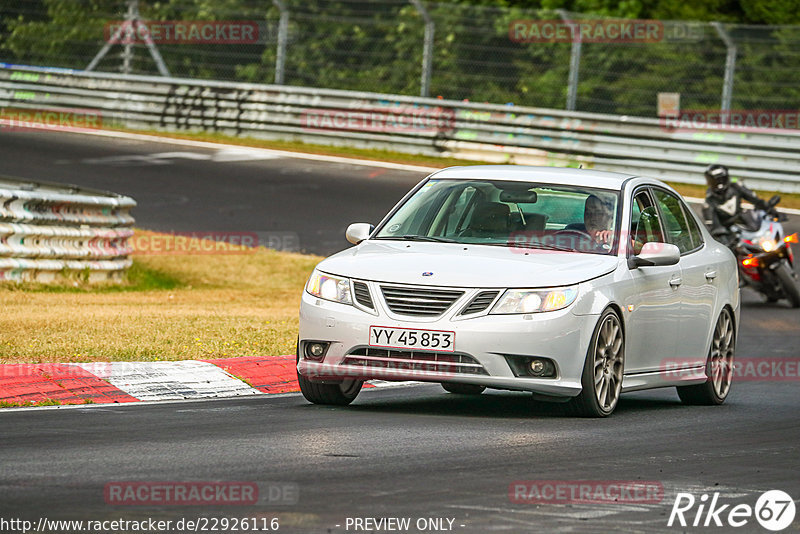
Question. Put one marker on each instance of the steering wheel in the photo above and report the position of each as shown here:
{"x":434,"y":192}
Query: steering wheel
{"x":583,"y":235}
{"x":574,"y":231}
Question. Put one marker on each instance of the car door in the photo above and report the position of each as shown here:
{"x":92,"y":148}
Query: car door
{"x":652,"y":303}
{"x":698,"y":290}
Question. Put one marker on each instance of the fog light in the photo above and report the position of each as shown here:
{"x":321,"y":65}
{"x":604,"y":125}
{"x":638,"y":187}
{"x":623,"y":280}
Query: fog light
{"x":315,"y":350}
{"x":537,"y":367}
{"x":525,"y":366}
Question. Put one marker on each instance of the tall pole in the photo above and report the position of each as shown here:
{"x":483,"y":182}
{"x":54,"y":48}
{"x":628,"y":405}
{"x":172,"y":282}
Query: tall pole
{"x":127,"y":50}
{"x":283,"y":38}
{"x":730,"y":66}
{"x":574,"y":61}
{"x":427,"y":51}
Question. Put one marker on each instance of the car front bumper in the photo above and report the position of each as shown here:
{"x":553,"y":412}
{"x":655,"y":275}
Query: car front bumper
{"x":561,"y":336}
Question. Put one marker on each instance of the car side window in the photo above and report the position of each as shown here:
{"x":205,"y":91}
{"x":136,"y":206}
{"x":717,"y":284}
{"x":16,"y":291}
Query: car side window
{"x":694,"y":229}
{"x":675,"y":224}
{"x":645,"y":226}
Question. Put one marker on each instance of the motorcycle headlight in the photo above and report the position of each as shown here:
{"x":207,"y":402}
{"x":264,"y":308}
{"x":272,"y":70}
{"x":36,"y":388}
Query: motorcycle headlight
{"x":535,"y":300}
{"x":328,"y":287}
{"x":767,"y":244}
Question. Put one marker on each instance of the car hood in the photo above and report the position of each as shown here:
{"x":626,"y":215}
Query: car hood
{"x":461,"y":265}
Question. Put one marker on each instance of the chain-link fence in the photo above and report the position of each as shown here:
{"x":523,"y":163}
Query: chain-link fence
{"x":550,"y":59}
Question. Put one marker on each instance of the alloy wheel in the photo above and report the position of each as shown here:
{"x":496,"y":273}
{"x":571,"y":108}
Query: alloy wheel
{"x":608,"y":363}
{"x":721,"y":361}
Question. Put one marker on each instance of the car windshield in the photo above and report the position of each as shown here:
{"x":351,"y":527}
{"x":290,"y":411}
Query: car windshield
{"x":509,"y":213}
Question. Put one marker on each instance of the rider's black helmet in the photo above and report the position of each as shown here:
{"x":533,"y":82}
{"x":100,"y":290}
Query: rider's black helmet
{"x":717,"y":177}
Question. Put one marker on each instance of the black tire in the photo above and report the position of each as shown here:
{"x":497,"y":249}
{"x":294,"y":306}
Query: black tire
{"x":711,"y":392}
{"x":463,"y":389}
{"x":610,"y":365}
{"x":340,"y":394}
{"x":337,"y":394}
{"x":789,"y":284}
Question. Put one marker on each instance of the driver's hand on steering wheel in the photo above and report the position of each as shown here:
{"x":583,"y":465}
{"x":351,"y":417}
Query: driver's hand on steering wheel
{"x":603,"y":237}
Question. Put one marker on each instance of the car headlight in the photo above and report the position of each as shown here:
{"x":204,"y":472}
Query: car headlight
{"x":535,"y":300}
{"x":325,"y":286}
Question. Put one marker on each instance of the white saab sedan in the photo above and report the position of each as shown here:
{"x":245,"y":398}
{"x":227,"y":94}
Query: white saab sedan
{"x":575,"y":285}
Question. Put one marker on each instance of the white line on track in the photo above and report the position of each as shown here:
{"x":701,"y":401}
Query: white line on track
{"x":253,"y":150}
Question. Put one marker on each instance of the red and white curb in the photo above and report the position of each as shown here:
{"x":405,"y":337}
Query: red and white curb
{"x":117,"y":382}
{"x":149,"y":381}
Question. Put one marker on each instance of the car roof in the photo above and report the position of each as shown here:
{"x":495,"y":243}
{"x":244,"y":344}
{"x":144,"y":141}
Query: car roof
{"x":525,"y":173}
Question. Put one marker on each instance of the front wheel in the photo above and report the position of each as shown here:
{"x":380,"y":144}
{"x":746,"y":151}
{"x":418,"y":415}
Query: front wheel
{"x":719,"y":367}
{"x":788,"y":284}
{"x":602,"y":370}
{"x":340,"y":394}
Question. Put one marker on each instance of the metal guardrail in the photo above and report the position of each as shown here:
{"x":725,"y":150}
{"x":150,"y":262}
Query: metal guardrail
{"x":48,"y":229}
{"x":766,"y":159}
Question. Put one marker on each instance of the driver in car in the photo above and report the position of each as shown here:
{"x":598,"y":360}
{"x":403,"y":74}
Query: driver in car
{"x":597,"y":217}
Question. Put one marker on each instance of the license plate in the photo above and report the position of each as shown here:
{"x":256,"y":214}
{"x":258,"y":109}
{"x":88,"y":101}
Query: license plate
{"x":407,"y":338}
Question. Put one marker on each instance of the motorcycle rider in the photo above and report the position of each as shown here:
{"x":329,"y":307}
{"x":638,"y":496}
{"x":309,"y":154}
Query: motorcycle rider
{"x":723,"y":205}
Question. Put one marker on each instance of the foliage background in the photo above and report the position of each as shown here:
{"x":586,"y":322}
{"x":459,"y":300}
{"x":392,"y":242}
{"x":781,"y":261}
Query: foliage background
{"x":377,"y":46}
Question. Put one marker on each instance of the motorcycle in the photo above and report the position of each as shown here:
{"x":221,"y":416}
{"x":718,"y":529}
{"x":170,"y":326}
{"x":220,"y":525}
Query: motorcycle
{"x":764,"y":253}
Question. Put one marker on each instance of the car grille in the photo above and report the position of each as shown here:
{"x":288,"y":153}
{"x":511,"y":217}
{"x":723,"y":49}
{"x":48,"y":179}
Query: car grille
{"x":419,"y":301}
{"x":407,"y":360}
{"x":362,"y":295}
{"x":480,"y":302}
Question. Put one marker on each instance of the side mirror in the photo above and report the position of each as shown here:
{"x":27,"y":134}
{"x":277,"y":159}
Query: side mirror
{"x":655,"y":253}
{"x":358,"y":232}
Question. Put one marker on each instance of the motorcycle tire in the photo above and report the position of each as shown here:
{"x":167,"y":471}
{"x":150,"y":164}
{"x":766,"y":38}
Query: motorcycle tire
{"x":789,"y":285}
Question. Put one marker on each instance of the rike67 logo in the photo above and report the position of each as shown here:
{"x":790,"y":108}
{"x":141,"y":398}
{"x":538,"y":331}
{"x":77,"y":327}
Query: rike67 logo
{"x":774,"y":510}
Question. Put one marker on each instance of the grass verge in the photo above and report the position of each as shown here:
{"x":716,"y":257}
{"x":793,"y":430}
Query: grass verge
{"x":172,"y":307}
{"x":45,"y":402}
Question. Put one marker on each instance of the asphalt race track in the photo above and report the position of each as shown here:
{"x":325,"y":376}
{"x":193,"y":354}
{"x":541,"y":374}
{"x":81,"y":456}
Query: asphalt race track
{"x":411,"y":451}
{"x":186,"y":189}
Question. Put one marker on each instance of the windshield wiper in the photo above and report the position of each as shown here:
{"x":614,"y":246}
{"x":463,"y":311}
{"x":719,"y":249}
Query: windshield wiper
{"x":409,"y":237}
{"x":428,"y":238}
{"x":540,"y":246}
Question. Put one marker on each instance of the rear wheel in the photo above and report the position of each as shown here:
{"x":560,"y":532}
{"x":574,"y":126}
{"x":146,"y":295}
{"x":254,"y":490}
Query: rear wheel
{"x":337,"y":394}
{"x":602,"y":370}
{"x":463,"y":389}
{"x":719,"y":367}
{"x":789,"y":284}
